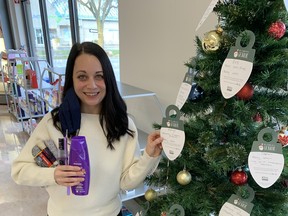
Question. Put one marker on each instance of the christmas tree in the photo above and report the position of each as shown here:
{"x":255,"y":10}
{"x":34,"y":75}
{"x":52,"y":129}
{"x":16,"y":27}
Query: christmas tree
{"x":220,"y":131}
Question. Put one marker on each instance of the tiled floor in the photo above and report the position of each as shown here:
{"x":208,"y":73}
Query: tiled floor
{"x":16,"y":200}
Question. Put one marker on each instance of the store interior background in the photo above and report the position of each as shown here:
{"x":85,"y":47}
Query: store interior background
{"x":157,"y":38}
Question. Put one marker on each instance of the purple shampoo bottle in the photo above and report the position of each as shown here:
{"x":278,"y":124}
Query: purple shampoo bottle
{"x":79,"y":157}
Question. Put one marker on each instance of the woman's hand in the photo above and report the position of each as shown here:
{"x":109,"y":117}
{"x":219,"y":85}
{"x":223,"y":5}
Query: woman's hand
{"x":154,"y":144}
{"x":66,"y":175}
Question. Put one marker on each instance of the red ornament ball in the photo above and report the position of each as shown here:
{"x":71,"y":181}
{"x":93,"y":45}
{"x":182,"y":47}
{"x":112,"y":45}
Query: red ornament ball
{"x":246,"y":92}
{"x":239,"y":177}
{"x":257,"y":117}
{"x":277,"y":30}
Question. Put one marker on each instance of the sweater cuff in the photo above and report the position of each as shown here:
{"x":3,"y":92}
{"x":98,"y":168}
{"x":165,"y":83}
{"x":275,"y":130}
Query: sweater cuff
{"x":151,"y":162}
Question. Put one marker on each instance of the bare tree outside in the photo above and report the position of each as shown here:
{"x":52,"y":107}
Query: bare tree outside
{"x":100,"y":10}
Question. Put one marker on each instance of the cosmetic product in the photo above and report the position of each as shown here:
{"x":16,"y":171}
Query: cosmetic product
{"x":37,"y":154}
{"x":52,"y":147}
{"x":46,"y":151}
{"x":63,"y":153}
{"x":79,"y":157}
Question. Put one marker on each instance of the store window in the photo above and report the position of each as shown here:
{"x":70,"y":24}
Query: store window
{"x":39,"y":37}
{"x":52,"y":38}
{"x":98,"y":22}
{"x":59,"y":31}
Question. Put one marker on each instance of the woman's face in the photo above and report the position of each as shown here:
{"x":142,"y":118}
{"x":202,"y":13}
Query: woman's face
{"x":88,"y":81}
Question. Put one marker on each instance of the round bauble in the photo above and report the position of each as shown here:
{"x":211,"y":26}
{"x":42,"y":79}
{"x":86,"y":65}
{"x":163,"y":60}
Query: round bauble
{"x":212,"y":40}
{"x":150,"y":195}
{"x":239,"y":177}
{"x":257,"y":117}
{"x":246,"y":92}
{"x":184,"y":177}
{"x":277,"y":29}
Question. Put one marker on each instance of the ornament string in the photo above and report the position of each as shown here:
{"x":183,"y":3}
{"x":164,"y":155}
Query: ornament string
{"x":167,"y":176}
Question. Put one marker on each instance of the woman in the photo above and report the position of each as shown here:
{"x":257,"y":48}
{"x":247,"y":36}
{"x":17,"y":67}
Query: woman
{"x":91,"y":100}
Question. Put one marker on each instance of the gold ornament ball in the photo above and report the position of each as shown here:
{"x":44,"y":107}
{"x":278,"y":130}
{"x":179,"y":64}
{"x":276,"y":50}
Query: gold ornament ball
{"x":212,"y":40}
{"x":184,"y":177}
{"x":150,"y":194}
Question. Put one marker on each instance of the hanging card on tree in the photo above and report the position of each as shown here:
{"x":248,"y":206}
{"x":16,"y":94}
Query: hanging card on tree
{"x":237,"y":67}
{"x":236,"y":205}
{"x":172,"y":131}
{"x":286,"y":4}
{"x":175,"y":209}
{"x":266,"y":160}
{"x":185,"y":88}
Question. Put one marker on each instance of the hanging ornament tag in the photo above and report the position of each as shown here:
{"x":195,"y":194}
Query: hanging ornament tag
{"x":286,"y":4}
{"x":185,"y":88}
{"x":207,"y":13}
{"x":172,"y":131}
{"x":266,"y":160}
{"x":176,"y":209}
{"x":237,"y":67}
{"x":237,"y":205}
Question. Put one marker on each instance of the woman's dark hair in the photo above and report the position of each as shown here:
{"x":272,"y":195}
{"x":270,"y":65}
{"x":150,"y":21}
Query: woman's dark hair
{"x":113,"y":114}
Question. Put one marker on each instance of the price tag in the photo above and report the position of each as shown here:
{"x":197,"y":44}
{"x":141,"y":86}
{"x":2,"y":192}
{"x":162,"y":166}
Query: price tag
{"x":172,"y":131}
{"x":266,"y":160}
{"x":185,"y":88}
{"x":237,"y":67}
{"x":238,"y":206}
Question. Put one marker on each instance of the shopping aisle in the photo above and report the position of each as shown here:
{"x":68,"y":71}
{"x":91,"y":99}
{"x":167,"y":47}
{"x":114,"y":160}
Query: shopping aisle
{"x":16,"y":200}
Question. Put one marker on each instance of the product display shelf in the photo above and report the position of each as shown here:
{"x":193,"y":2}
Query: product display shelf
{"x":55,"y":76}
{"x":25,"y":80}
{"x":10,"y":88}
{"x":130,"y":92}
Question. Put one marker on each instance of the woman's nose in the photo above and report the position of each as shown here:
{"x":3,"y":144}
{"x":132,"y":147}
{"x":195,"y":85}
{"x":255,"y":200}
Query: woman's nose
{"x":91,"y":83}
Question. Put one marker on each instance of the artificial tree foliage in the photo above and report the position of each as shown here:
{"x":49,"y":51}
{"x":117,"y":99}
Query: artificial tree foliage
{"x":219,"y":132}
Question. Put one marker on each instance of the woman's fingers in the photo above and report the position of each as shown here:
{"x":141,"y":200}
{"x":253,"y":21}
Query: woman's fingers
{"x":69,"y":175}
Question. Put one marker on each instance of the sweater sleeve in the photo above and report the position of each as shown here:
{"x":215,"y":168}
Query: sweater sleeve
{"x":24,"y":170}
{"x":136,"y":166}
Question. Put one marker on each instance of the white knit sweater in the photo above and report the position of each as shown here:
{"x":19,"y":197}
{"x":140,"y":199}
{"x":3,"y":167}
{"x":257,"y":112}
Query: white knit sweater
{"x":110,"y":170}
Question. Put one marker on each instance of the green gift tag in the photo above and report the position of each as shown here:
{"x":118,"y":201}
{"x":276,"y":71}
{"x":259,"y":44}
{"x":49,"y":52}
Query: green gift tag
{"x":185,"y":88}
{"x":237,"y":67}
{"x":236,"y":205}
{"x":172,"y":131}
{"x":266,"y":160}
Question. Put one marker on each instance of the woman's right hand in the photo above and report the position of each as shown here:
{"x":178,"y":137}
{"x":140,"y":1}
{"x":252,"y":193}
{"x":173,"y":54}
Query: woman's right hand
{"x":67,"y":175}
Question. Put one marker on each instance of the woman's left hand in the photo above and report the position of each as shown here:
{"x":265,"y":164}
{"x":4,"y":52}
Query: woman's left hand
{"x":154,"y":144}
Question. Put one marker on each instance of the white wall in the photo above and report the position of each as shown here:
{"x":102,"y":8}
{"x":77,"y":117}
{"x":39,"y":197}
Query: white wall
{"x":157,"y":37}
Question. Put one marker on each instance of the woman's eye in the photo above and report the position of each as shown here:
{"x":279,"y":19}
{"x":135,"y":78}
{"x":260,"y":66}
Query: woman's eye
{"x":99,"y":77}
{"x":82,"y":77}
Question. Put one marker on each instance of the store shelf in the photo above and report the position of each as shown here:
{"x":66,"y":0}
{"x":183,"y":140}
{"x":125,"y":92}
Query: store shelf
{"x":21,"y":78}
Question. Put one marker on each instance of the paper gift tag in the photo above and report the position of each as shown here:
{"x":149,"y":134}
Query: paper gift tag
{"x":172,"y":131}
{"x":176,"y":208}
{"x":237,"y":205}
{"x":208,"y":11}
{"x":185,"y":88}
{"x":286,"y":4}
{"x":237,"y":67}
{"x":266,"y":160}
